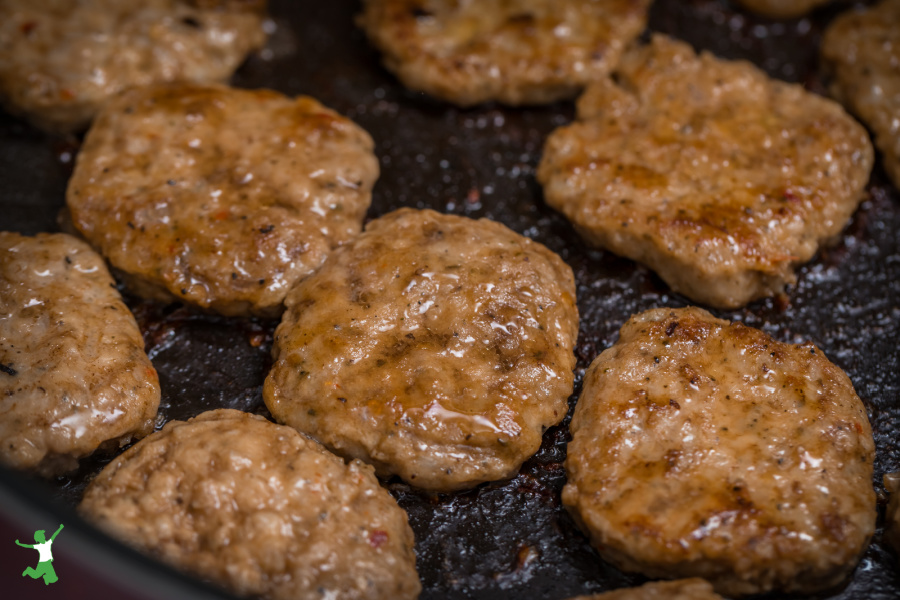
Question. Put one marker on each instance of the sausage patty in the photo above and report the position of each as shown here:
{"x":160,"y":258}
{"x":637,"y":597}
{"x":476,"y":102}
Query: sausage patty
{"x":703,"y":448}
{"x":892,"y":515}
{"x":435,"y":347}
{"x":863,"y":49}
{"x":514,"y":51}
{"x":220,"y":197}
{"x":60,"y":60}
{"x":73,"y":373}
{"x":783,"y":9}
{"x":715,"y":176}
{"x":683,"y":589}
{"x":258,"y":509}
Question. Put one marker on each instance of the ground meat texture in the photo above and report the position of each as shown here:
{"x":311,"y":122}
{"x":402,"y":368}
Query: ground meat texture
{"x":707,"y":171}
{"x":258,"y":509}
{"x":219,"y":197}
{"x":73,"y":373}
{"x":683,"y":589}
{"x":703,"y":448}
{"x":60,"y":60}
{"x":435,"y":347}
{"x":892,"y":515}
{"x":863,"y":50}
{"x":513,"y":51}
{"x":783,"y":9}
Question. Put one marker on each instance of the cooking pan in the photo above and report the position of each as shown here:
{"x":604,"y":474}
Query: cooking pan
{"x":509,"y":539}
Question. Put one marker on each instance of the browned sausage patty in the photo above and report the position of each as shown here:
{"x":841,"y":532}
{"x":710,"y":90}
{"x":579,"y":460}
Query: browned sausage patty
{"x":258,"y":509}
{"x":715,"y":176}
{"x":863,"y":49}
{"x":60,"y":60}
{"x":435,"y":347}
{"x":892,"y":515}
{"x":683,"y":589}
{"x":514,"y":51}
{"x":783,"y":9}
{"x":703,"y":448}
{"x":73,"y":373}
{"x":220,"y":197}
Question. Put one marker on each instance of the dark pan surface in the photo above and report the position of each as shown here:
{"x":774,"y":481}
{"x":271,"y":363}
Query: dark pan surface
{"x":510,"y":539}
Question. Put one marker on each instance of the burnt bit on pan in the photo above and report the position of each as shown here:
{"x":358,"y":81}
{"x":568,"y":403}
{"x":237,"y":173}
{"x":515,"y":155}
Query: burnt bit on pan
{"x":205,"y":361}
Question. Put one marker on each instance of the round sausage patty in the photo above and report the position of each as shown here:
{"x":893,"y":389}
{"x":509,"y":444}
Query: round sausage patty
{"x":863,"y":49}
{"x":60,"y":60}
{"x":73,"y":373}
{"x":683,"y":589}
{"x":435,"y":347}
{"x":703,"y":448}
{"x":717,"y":177}
{"x":258,"y":509}
{"x":783,"y":9}
{"x":222,"y":198}
{"x":514,"y":51}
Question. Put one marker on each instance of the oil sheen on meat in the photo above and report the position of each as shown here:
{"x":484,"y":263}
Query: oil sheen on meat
{"x":73,"y":373}
{"x":218,"y":197}
{"x":863,"y":50}
{"x":60,"y":60}
{"x":258,"y":509}
{"x":708,"y":449}
{"x":717,"y":177}
{"x":436,"y":347}
{"x":513,"y":51}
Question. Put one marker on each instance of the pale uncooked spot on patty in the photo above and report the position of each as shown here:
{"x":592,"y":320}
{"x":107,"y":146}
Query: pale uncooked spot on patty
{"x":436,"y":347}
{"x":74,"y":376}
{"x":258,"y":509}
{"x":708,"y":449}
{"x":513,"y":51}
{"x":863,"y":50}
{"x":60,"y":60}
{"x":219,"y":197}
{"x":717,"y":177}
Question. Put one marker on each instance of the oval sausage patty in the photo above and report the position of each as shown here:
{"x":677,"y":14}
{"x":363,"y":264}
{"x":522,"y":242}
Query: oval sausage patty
{"x":219,"y":197}
{"x":258,"y":509}
{"x":513,"y":51}
{"x":706,"y":448}
{"x":61,"y":60}
{"x":717,"y":177}
{"x":74,"y":376}
{"x":435,"y":347}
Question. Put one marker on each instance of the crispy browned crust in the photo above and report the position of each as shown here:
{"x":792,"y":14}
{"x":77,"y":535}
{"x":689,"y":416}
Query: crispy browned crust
{"x":60,"y":60}
{"x":719,"y":178}
{"x":75,"y":375}
{"x":863,"y":50}
{"x":258,"y":509}
{"x":703,"y":448}
{"x":219,"y":197}
{"x":513,"y":51}
{"x":435,"y":347}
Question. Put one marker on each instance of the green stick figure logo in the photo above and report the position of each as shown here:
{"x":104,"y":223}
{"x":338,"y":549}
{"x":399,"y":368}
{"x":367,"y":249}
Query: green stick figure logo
{"x":45,"y":559}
